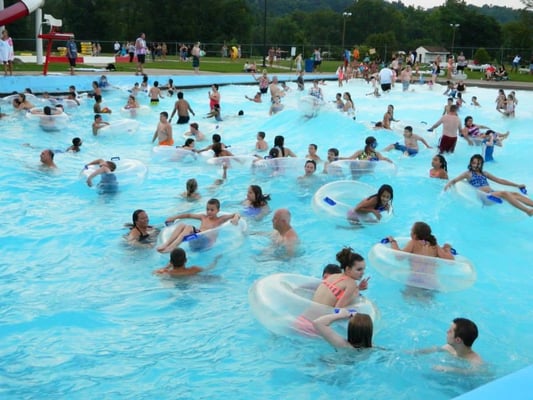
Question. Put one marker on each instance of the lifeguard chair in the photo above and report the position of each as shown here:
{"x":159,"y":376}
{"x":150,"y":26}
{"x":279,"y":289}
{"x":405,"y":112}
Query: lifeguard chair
{"x":54,"y":34}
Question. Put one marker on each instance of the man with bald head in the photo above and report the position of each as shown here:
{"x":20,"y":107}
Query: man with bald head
{"x":47,"y":158}
{"x":284,"y":234}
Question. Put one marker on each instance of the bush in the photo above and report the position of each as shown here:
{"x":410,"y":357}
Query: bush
{"x":482,"y":56}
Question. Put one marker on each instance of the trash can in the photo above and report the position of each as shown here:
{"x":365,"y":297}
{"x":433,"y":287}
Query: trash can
{"x":309,"y":65}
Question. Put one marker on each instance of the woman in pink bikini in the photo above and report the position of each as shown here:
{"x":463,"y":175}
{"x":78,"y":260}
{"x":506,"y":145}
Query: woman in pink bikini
{"x":339,"y":290}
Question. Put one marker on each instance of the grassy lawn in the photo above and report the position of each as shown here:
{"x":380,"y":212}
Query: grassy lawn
{"x":219,"y":65}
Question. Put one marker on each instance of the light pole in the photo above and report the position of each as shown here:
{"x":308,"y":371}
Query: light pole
{"x":345,"y":15}
{"x":264,"y":34}
{"x":454,"y":27}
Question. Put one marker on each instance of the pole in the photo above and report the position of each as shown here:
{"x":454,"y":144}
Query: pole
{"x":345,"y":15}
{"x":454,"y":27}
{"x":38,"y":41}
{"x":264,"y":34}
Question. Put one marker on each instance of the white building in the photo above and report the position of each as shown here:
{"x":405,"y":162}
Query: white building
{"x":428,"y":54}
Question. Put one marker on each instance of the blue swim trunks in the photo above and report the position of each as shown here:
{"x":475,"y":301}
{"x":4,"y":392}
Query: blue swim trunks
{"x":401,"y":147}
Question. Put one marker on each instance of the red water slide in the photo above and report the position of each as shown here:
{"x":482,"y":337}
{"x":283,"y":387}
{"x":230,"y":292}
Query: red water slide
{"x":19,"y":10}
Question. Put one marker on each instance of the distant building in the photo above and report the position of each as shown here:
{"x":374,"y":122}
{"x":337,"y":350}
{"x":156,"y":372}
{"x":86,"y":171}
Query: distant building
{"x":428,"y":54}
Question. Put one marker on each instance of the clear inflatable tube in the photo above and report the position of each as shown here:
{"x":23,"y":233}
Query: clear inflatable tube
{"x":338,"y":199}
{"x":422,"y":271}
{"x":128,"y":172}
{"x":120,"y":126}
{"x":355,"y":169}
{"x":227,"y":236}
{"x":282,"y":304}
{"x":278,"y":166}
{"x":171,"y":153}
{"x":233,"y":161}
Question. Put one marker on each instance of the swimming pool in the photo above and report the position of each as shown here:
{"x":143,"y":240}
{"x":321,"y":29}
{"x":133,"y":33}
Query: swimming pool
{"x":82,"y":315}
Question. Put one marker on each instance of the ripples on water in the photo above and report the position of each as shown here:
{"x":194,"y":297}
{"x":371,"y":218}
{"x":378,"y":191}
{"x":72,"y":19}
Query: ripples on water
{"x":82,"y":315}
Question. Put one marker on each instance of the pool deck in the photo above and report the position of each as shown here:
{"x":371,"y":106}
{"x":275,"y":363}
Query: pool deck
{"x":182,"y":79}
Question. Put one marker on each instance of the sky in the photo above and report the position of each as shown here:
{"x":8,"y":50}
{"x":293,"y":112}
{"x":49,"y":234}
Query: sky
{"x":479,"y":3}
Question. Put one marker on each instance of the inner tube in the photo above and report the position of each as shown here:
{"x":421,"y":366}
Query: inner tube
{"x":233,"y":161}
{"x":227,"y":236}
{"x":171,"y":153}
{"x":337,"y":200}
{"x":282,"y":304}
{"x":422,"y":271}
{"x":120,"y":126}
{"x":134,"y":112}
{"x":278,"y":166}
{"x":128,"y":172}
{"x":355,"y":169}
{"x":310,"y":105}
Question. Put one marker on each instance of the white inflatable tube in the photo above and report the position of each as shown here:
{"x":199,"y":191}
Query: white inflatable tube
{"x":422,"y":271}
{"x":233,"y":161}
{"x":282,"y":304}
{"x":337,"y":201}
{"x":128,"y":172}
{"x":278,"y":166}
{"x":120,"y":126}
{"x":354,"y":169}
{"x":171,"y":153}
{"x":134,"y":112}
{"x":226,"y":236}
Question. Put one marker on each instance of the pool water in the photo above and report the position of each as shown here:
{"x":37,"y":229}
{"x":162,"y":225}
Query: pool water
{"x":82,"y":315}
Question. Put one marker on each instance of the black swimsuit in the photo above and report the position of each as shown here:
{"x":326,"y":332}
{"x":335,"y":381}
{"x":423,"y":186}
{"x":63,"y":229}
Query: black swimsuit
{"x":143,"y":236}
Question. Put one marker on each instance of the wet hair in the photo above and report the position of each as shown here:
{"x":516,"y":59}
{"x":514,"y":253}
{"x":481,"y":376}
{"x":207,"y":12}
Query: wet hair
{"x":349,"y":96}
{"x":408,"y":128}
{"x":47,"y":110}
{"x":217,"y":148}
{"x":156,"y":84}
{"x":274,"y":152}
{"x":347,"y":257}
{"x":194,"y":125}
{"x":96,"y":116}
{"x":443,"y":162}
{"x":216,"y":138}
{"x":95,"y":83}
{"x":145,"y":78}
{"x":279,"y":141}
{"x":76,"y":141}
{"x":240,"y":113}
{"x":314,"y":146}
{"x":422,"y":231}
{"x":311,"y":162}
{"x":188,"y":142}
{"x":468,"y":117}
{"x":22,"y":96}
{"x":135,"y":216}
{"x":369,"y":142}
{"x":334,"y":151}
{"x":164,"y":113}
{"x":261,"y":134}
{"x":381,"y":190}
{"x":478,"y":157}
{"x":214,"y":202}
{"x":466,"y":330}
{"x":180,"y":95}
{"x":260,"y":198}
{"x":360,"y":330}
{"x":111,"y":165}
{"x":178,"y":257}
{"x":331,"y":269}
{"x":191,"y":186}
{"x":215,"y":86}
